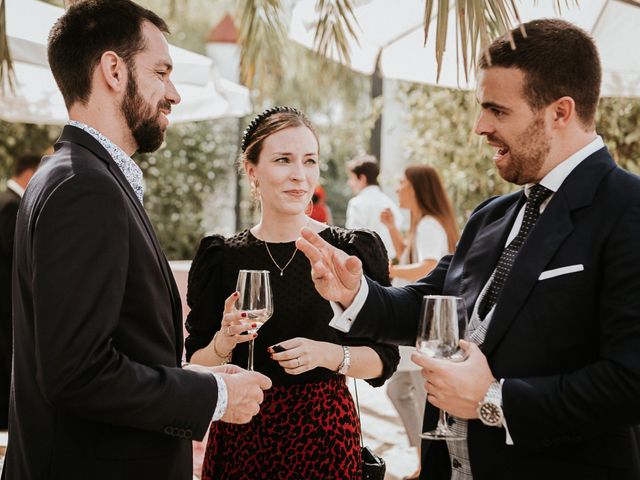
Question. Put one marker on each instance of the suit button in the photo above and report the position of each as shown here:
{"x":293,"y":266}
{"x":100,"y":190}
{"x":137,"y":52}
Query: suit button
{"x":456,"y":463}
{"x":188,"y":433}
{"x":168,"y":430}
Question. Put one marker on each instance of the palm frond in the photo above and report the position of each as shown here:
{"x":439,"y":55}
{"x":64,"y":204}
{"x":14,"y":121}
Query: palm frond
{"x":262,"y":33}
{"x":335,"y":27}
{"x":7,"y":75}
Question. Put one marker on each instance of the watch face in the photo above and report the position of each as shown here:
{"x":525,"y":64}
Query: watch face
{"x":490,"y":414}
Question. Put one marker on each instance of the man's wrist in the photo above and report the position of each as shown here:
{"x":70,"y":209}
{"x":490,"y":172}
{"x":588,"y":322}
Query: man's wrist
{"x":221,"y":405}
{"x":348,"y":300}
{"x":490,"y":407}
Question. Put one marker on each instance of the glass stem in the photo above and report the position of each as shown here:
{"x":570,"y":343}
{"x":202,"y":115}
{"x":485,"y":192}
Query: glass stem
{"x":442,"y":428}
{"x":250,"y":364}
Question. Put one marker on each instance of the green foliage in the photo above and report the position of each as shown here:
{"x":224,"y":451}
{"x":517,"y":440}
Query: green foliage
{"x":618,"y":120}
{"x":180,"y":178}
{"x":19,"y":138}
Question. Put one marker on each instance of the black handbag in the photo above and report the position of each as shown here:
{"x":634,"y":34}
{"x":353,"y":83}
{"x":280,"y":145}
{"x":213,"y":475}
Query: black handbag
{"x":373,"y":466}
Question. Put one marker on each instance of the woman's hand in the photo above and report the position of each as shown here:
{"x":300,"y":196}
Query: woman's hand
{"x":234,"y":323}
{"x":387,"y":218}
{"x":302,"y":354}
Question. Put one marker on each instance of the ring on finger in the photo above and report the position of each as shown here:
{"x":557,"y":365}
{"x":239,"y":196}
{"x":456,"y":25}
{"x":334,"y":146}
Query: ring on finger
{"x":297,"y":362}
{"x":229,"y":330}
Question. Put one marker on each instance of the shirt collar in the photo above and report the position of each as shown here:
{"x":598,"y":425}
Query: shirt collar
{"x":370,"y":188}
{"x":15,"y":187}
{"x":555,"y":177}
{"x":129,"y":168}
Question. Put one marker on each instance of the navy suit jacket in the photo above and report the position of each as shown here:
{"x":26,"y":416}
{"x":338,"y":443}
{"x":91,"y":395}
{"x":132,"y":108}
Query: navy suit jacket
{"x":98,"y":389}
{"x":568,"y":346}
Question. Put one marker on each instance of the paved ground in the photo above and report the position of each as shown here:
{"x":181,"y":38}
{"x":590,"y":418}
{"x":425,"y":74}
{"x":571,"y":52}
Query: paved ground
{"x":383,"y":432}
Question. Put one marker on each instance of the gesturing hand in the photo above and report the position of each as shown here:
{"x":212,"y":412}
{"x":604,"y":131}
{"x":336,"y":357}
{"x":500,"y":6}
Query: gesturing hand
{"x":387,"y":218}
{"x":335,"y":274}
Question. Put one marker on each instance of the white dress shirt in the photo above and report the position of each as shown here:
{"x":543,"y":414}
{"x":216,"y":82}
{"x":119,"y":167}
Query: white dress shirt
{"x":363,"y":211}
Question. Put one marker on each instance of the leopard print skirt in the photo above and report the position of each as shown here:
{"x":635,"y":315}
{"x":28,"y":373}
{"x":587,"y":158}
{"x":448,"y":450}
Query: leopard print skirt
{"x":303,"y":432}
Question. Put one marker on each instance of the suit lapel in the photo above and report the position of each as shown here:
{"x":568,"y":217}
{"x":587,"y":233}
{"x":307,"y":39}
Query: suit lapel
{"x":552,"y":228}
{"x":484,"y":252}
{"x":78,"y":136}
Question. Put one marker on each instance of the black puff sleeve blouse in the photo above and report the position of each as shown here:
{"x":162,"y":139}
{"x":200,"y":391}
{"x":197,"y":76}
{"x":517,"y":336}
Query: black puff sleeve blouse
{"x":299,"y":311}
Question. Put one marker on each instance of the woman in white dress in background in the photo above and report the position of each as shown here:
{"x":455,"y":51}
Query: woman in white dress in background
{"x":432,"y":234}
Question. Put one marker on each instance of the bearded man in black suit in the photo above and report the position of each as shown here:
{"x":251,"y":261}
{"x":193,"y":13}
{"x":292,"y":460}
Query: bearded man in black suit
{"x":550,"y":275}
{"x":98,"y":387}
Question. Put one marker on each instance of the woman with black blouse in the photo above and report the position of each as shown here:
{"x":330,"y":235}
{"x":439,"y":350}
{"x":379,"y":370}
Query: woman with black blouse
{"x":307,"y":427}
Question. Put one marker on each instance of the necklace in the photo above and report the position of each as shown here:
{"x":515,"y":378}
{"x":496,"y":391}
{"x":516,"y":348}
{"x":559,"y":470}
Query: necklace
{"x":276,"y":263}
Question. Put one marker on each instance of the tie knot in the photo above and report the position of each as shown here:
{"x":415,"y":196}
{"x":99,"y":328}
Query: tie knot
{"x":538,"y":194}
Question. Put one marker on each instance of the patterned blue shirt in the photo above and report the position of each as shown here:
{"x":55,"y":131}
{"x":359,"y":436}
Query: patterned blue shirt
{"x":131,"y":171}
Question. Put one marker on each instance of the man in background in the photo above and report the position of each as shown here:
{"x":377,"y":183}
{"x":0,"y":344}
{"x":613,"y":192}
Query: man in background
{"x":364,"y":209}
{"x":23,"y":169}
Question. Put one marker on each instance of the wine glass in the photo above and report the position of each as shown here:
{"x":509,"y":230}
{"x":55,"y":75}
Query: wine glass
{"x":254,"y":298}
{"x":443,"y":322}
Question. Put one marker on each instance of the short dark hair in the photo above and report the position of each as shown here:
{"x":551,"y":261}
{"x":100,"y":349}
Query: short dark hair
{"x":26,"y":161}
{"x":88,"y":29}
{"x":366,"y":165}
{"x":557,"y":58}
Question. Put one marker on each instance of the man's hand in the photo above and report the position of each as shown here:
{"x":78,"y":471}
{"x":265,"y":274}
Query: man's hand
{"x":455,"y":387}
{"x":244,"y":393}
{"x":335,"y":274}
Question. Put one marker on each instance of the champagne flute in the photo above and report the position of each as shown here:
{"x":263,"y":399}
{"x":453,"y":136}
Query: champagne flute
{"x":254,"y":298}
{"x":443,"y":322}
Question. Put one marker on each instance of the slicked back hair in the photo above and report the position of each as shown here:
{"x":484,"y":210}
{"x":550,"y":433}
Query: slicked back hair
{"x":558,"y":59}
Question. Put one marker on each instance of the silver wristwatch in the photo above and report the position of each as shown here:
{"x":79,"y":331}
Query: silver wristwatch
{"x":490,"y":408}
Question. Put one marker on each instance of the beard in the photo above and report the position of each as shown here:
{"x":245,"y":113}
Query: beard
{"x":527,"y":153}
{"x":142,"y":121}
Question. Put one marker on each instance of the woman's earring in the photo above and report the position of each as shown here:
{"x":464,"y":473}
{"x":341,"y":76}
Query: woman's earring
{"x":255,"y":192}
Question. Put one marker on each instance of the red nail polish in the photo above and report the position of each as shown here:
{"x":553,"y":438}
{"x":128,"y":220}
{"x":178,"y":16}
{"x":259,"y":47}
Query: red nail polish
{"x":243,"y":314}
{"x":254,"y":325}
{"x":235,"y":294}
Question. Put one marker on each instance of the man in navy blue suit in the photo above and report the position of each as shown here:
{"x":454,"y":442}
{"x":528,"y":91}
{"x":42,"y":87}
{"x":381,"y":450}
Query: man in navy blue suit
{"x":550,"y":276}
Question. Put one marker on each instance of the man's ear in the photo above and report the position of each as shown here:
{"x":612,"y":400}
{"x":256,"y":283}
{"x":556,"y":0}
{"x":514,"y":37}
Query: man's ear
{"x":563,"y":111}
{"x":113,"y":70}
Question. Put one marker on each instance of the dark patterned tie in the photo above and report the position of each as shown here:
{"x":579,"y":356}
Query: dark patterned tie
{"x":537,"y":195}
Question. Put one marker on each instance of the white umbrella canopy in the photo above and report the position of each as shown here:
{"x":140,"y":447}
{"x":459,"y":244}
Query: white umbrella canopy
{"x":394,"y":30}
{"x":37,"y":99}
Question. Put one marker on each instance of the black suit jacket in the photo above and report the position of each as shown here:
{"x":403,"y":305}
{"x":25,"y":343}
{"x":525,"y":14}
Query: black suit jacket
{"x":98,"y":389}
{"x":568,"y":346}
{"x":9,"y":203}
